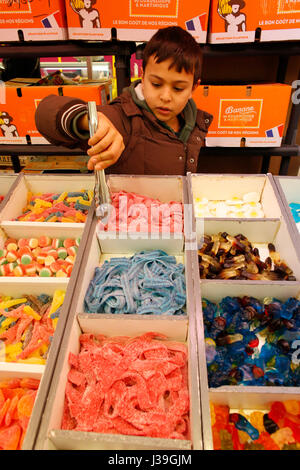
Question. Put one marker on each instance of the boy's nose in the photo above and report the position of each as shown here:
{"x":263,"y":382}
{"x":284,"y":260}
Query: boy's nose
{"x":165,"y":94}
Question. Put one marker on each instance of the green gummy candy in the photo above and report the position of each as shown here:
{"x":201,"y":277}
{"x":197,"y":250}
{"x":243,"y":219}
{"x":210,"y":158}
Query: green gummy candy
{"x":45,"y":273}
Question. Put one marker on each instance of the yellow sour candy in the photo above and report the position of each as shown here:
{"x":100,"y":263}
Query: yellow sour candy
{"x":32,"y":360}
{"x":257,"y":420}
{"x":29,"y":311}
{"x":61,"y":198}
{"x":212,"y":414}
{"x":10,"y":303}
{"x":58,"y":298}
{"x":6,"y":323}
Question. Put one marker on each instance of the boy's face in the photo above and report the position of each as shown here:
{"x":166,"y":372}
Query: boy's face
{"x":166,"y":90}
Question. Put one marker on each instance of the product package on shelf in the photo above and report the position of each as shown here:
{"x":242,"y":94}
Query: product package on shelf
{"x":244,"y":115}
{"x":233,"y":21}
{"x":19,"y":127}
{"x":6,"y":185}
{"x":246,"y":286}
{"x":33,"y":21}
{"x":146,"y":308}
{"x":135,"y":20}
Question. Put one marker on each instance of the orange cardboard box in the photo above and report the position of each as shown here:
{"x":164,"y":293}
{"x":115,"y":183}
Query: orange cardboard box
{"x":255,"y":113}
{"x":17,"y":125}
{"x":34,"y":20}
{"x":238,"y":20}
{"x":135,"y":20}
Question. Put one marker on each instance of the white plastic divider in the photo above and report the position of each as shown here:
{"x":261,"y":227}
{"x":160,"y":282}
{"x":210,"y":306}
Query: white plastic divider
{"x":164,"y":188}
{"x":7,"y":185}
{"x":180,"y":327}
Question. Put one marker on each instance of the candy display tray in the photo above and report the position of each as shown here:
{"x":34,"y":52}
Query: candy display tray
{"x":181,"y":328}
{"x":16,"y":286}
{"x":164,"y":188}
{"x":94,"y":256}
{"x":237,"y":397}
{"x":7,"y":183}
{"x":17,"y":199}
{"x":289,"y":191}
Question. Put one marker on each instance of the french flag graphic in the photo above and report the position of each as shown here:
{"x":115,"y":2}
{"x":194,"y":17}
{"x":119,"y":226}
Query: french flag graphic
{"x":197,"y":24}
{"x":275,"y":131}
{"x":52,"y":21}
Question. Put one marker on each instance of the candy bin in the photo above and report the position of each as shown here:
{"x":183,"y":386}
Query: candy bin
{"x":146,"y":211}
{"x":18,"y":395}
{"x":39,"y":266}
{"x":233,"y":196}
{"x":289,"y":191}
{"x":54,"y":199}
{"x":135,"y":320}
{"x":6,"y":184}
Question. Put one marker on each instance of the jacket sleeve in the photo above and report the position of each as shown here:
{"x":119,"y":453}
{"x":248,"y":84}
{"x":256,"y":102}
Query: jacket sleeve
{"x":53,"y":119}
{"x":56,"y":118}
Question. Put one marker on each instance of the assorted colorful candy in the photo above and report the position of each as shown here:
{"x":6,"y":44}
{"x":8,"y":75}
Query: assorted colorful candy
{"x":149,"y":282}
{"x":247,"y":206}
{"x":17,"y":396}
{"x":224,"y":256}
{"x":295,"y":210}
{"x":42,"y":256}
{"x":250,"y":342}
{"x":124,"y":385}
{"x":136,"y":213}
{"x":277,"y":428}
{"x":27,"y":326}
{"x":57,"y":207}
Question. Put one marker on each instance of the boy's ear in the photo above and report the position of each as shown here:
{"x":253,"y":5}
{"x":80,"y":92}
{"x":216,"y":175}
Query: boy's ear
{"x":196,"y":85}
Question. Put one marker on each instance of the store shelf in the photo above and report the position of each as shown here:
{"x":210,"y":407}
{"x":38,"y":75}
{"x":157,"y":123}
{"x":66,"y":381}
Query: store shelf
{"x":285,"y":151}
{"x":122,"y":50}
{"x":280,"y":48}
{"x":75,"y":48}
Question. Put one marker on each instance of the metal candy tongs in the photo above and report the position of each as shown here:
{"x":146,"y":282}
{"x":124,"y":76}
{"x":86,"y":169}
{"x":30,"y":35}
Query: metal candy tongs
{"x":101,"y":191}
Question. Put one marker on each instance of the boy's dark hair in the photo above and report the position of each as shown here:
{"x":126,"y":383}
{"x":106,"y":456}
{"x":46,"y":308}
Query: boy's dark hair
{"x":175,"y":43}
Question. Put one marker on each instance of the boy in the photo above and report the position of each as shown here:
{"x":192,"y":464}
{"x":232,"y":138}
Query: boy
{"x":153,"y":127}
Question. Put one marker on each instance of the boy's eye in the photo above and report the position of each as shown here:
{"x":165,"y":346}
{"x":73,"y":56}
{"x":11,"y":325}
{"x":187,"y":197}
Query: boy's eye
{"x":178,"y":89}
{"x":155,"y":84}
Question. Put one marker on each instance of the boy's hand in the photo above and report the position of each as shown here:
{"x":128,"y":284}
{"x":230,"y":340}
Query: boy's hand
{"x":106,"y":144}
